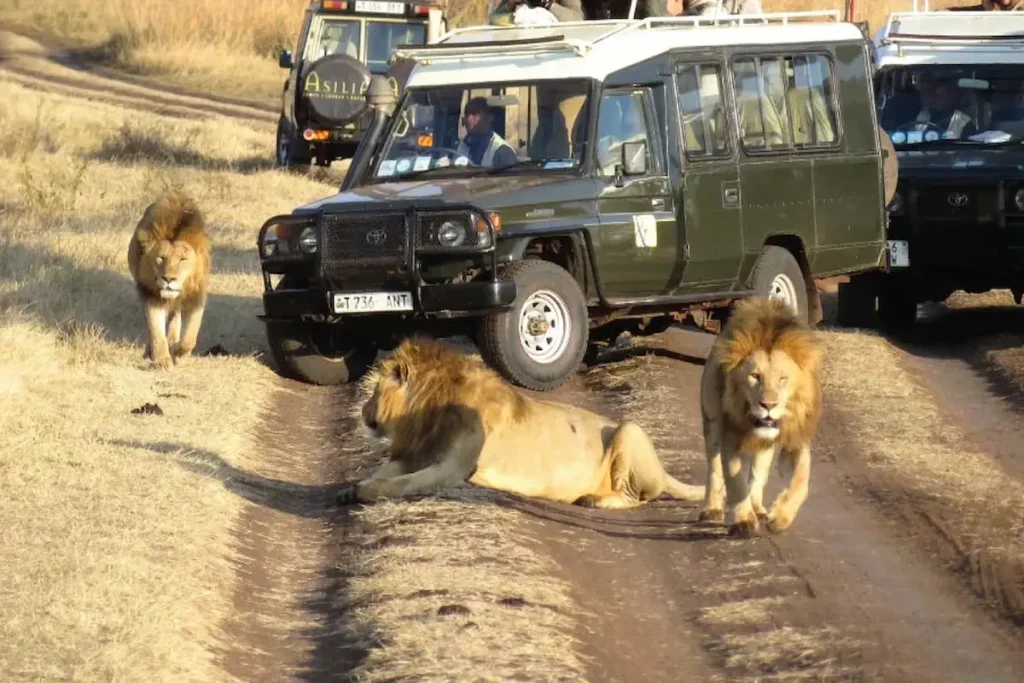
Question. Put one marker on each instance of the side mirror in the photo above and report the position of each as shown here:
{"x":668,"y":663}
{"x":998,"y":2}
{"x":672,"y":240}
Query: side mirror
{"x":284,"y":60}
{"x":634,"y":158}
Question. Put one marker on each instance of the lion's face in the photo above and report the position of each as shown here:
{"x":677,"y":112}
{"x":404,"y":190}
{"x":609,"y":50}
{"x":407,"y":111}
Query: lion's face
{"x":168,"y":266}
{"x":764,"y":383}
{"x":389,"y":400}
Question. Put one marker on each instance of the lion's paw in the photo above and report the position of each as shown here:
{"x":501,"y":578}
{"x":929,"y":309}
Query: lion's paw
{"x":746,"y":528}
{"x":348,"y":495}
{"x":162,"y":362}
{"x":711,"y":516}
{"x":777,"y":523}
{"x":587,"y":501}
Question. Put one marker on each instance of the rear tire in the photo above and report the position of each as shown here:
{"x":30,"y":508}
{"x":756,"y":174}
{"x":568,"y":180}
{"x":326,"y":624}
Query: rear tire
{"x":897,"y":304}
{"x":856,"y":303}
{"x":541,"y":340}
{"x":288,"y":152}
{"x":777,"y":275}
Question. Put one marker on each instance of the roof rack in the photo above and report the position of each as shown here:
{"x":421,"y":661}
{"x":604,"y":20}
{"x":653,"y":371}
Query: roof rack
{"x":998,"y":30}
{"x":579,"y":37}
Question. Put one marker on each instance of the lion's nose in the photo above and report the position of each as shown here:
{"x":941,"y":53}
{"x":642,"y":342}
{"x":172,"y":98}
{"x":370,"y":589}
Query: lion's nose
{"x":768,"y":405}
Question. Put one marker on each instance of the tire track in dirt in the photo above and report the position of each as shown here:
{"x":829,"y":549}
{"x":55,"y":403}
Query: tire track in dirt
{"x":290,"y":601}
{"x":842,"y":595}
{"x":29,"y":63}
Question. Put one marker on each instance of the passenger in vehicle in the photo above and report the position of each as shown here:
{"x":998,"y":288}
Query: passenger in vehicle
{"x":939,"y":98}
{"x":482,"y":145}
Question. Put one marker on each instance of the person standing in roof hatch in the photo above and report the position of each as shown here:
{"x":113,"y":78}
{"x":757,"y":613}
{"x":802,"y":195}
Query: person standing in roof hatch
{"x":482,"y":145}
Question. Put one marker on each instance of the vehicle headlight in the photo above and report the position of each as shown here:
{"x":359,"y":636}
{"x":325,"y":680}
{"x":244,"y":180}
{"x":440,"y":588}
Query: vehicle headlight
{"x":307,"y":240}
{"x":451,"y":234}
{"x":453,"y":229}
{"x":288,"y":238}
{"x":1018,"y":199}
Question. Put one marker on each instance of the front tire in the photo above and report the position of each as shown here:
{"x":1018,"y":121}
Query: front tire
{"x":778,"y":276}
{"x":318,"y":353}
{"x":540,"y":342}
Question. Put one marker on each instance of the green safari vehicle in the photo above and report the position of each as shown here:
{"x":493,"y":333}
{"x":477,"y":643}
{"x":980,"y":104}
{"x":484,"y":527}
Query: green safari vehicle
{"x":543,"y":189}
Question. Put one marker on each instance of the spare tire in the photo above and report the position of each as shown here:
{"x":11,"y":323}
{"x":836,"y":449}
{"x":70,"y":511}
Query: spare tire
{"x":334,"y":89}
{"x":890,"y":166}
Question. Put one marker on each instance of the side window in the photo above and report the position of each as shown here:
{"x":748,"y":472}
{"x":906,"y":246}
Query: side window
{"x":620,"y":119}
{"x":705,"y":125}
{"x":812,"y":102}
{"x":785,"y":102}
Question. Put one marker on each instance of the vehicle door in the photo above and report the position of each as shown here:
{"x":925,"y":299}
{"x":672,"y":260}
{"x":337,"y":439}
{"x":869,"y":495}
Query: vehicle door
{"x":637,"y":242}
{"x":709,"y":195}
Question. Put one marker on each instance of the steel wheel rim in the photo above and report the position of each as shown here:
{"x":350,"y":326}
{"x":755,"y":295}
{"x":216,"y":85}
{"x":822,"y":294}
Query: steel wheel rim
{"x":544,"y":326}
{"x":783,"y":289}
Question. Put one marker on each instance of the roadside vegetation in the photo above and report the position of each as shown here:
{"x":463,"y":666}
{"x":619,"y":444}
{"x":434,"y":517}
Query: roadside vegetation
{"x":113,"y":553}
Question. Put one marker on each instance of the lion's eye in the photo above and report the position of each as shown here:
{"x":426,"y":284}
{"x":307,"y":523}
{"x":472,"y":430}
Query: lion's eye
{"x":756,"y":376}
{"x":783,"y":381}
{"x":159,"y":259}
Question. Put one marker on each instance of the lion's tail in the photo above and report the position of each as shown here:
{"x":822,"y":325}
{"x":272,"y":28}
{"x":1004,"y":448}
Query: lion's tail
{"x":681,"y":491}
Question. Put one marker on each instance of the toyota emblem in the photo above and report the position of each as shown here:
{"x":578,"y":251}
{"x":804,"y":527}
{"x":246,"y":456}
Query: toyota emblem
{"x":376,"y":237}
{"x":957,"y":199}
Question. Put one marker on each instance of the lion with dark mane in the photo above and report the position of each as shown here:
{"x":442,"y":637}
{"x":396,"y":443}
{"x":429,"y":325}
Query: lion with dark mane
{"x":451,"y":419}
{"x":169,"y":259}
{"x":760,"y":393}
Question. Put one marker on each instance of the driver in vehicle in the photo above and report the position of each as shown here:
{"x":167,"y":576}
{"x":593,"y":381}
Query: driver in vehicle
{"x":939,"y":106}
{"x":482,"y":145}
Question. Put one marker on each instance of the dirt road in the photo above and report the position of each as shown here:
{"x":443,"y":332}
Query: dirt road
{"x":862,"y":587}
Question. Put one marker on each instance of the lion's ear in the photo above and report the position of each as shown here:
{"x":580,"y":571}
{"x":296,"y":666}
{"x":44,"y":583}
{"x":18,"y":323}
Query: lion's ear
{"x":400,"y":373}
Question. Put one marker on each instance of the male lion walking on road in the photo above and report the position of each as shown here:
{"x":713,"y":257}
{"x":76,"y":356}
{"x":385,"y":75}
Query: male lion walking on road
{"x":169,"y":259}
{"x":760,"y":393}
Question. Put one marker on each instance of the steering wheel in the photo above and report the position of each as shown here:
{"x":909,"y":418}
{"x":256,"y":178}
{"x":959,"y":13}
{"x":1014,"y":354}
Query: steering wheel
{"x":909,"y":126}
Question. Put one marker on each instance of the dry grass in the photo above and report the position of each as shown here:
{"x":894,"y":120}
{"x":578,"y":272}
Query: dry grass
{"x":875,"y":12}
{"x":113,"y":565}
{"x":224,"y":48}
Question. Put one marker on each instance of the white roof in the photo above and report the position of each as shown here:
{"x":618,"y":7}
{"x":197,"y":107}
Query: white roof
{"x":593,"y":49}
{"x":945,"y":37}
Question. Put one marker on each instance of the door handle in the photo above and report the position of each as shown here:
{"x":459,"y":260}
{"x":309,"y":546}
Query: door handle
{"x":658,"y":203}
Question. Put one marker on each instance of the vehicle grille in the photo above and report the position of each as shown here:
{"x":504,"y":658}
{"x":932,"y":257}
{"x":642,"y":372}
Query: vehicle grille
{"x":356,"y":246}
{"x":957,"y":203}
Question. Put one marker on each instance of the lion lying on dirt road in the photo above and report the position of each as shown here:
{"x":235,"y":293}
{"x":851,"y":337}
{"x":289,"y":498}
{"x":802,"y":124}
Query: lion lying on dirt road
{"x":760,"y":392}
{"x":169,"y":259}
{"x":451,"y":419}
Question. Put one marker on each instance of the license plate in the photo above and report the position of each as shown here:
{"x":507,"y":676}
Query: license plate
{"x":372,"y":302}
{"x":380,"y":7}
{"x":899,"y":253}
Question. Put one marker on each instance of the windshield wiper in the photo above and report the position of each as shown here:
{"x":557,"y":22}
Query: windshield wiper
{"x":532,"y":163}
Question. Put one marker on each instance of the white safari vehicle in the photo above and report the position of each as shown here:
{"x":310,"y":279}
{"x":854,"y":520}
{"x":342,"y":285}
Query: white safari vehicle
{"x":545,"y":188}
{"x":950,"y":94}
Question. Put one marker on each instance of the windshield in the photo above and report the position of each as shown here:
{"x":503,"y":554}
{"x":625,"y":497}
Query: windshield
{"x":382,"y":37}
{"x":469,"y":129}
{"x":968,"y":104}
{"x":337,"y":36}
